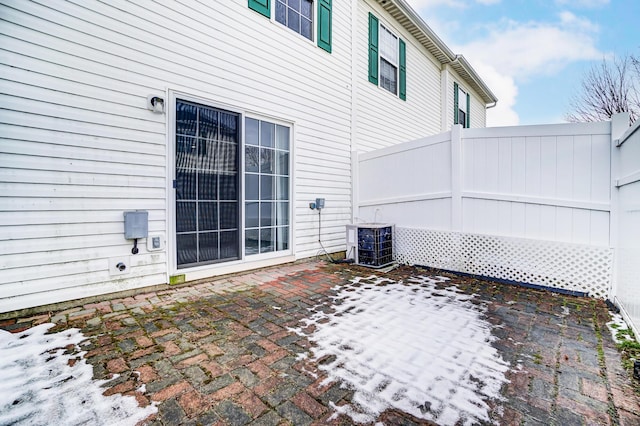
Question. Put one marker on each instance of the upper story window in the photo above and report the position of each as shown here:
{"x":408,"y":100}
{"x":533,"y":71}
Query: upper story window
{"x":297,"y":15}
{"x":387,"y":59}
{"x":302,"y":17}
{"x":461,"y":106}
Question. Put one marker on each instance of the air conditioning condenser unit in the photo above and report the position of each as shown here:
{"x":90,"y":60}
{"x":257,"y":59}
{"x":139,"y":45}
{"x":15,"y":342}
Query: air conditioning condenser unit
{"x":370,"y":244}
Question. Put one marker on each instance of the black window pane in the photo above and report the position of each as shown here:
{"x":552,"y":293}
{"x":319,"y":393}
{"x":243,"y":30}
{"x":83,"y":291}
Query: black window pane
{"x":207,"y":216}
{"x":282,"y":137}
{"x":282,"y":163}
{"x":187,"y":249}
{"x":293,"y":20}
{"x":186,"y":157}
{"x":186,"y":119}
{"x":267,"y":134}
{"x":207,"y":186}
{"x":306,"y":8}
{"x":281,"y":12}
{"x":267,"y":214}
{"x":229,"y":243}
{"x":228,"y":187}
{"x":208,"y":123}
{"x":251,"y":159}
{"x":207,"y":154}
{"x":251,"y":187}
{"x":251,"y":241}
{"x":282,"y":213}
{"x":267,"y":242}
{"x":266,"y":161}
{"x":208,"y":245}
{"x":186,"y":217}
{"x":228,"y":127}
{"x":252,"y":131}
{"x":282,"y":238}
{"x":267,"y":188}
{"x":282,"y":188}
{"x":228,"y":215}
{"x":305,"y":28}
{"x":185,"y":185}
{"x":226,"y":156}
{"x":251,"y":215}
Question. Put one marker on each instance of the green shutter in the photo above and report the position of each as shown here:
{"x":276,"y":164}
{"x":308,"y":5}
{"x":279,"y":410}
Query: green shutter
{"x":324,"y":25}
{"x":403,"y":70}
{"x":455,"y":103}
{"x":468,"y":111}
{"x":263,"y":7}
{"x":373,"y":49}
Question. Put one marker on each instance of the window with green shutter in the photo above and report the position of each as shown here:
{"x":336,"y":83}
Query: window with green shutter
{"x":461,"y":106}
{"x":387,"y":59}
{"x":298,"y":15}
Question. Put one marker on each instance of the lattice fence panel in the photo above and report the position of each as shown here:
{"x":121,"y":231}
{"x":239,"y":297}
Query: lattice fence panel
{"x":566,"y":266}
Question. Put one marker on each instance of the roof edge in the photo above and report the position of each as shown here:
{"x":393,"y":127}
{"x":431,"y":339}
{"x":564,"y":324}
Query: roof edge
{"x":458,"y":62}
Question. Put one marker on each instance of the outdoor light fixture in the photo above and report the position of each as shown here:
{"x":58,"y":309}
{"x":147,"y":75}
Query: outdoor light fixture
{"x":155,"y":103}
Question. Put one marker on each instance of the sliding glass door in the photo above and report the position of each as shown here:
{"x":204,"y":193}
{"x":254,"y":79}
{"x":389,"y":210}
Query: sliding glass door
{"x":206,"y":184}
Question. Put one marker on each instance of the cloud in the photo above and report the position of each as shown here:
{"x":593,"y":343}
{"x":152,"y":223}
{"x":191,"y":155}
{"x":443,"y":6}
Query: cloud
{"x":513,"y":52}
{"x":522,"y":50}
{"x":506,"y":90}
{"x":506,"y":52}
{"x":590,"y":4}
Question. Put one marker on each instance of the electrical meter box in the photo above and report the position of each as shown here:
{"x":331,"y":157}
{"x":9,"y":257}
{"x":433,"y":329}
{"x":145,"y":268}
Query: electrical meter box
{"x":136,"y":224}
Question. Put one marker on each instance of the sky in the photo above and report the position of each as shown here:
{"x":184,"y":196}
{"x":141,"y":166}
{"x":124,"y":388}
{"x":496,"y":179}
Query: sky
{"x":533,"y":54}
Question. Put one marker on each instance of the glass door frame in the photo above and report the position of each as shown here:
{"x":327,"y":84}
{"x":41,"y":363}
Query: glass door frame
{"x":171,"y":247}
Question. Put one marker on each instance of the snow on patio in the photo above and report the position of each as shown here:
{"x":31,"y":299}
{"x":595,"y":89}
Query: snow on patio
{"x":414,"y":346}
{"x":45,"y":383}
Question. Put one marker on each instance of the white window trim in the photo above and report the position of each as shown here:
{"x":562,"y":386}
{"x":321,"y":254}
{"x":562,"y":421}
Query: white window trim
{"x":244,"y":262}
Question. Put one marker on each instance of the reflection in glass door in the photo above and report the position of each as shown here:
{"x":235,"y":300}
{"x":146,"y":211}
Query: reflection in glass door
{"x":206,"y":184}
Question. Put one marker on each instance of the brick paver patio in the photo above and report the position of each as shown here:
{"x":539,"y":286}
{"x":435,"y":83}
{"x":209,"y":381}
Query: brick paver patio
{"x":222,"y":352}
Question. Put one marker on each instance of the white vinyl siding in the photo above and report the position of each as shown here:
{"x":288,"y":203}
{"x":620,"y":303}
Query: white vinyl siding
{"x":78,"y":146}
{"x":381,"y":119}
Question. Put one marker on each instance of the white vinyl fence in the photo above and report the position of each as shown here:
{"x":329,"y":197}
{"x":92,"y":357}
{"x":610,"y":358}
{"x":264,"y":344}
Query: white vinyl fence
{"x":626,"y":201}
{"x":531,"y":204}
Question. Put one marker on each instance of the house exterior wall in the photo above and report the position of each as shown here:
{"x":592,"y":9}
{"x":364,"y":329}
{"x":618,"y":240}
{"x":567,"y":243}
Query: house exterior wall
{"x":78,"y":146}
{"x":382,"y":118}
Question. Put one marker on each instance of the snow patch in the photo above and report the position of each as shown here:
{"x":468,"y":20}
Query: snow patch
{"x":414,"y":346}
{"x":616,"y":325}
{"x":42,"y":385}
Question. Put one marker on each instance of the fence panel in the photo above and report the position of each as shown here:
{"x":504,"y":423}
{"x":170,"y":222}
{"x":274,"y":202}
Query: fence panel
{"x":550,"y":182}
{"x":627,"y":181}
{"x":526,"y":203}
